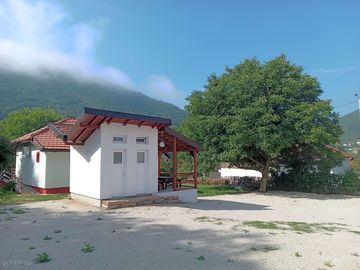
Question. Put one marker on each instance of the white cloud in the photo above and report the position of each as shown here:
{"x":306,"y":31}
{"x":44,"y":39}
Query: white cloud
{"x":36,"y":38}
{"x":162,"y":88}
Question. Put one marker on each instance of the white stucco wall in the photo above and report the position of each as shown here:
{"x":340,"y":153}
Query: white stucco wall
{"x":57,"y":169}
{"x":33,"y":173}
{"x":342,"y":169}
{"x":85,"y":163}
{"x":109,"y":175}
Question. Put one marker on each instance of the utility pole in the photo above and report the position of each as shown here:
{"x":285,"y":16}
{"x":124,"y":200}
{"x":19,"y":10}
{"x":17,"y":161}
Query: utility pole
{"x":358,"y":97}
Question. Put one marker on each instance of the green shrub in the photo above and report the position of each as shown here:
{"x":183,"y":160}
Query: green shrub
{"x":9,"y":186}
{"x":5,"y":194}
{"x":316,"y":182}
{"x":350,"y":183}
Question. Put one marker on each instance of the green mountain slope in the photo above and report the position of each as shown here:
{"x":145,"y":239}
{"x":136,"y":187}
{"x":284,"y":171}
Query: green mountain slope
{"x":69,"y":96}
{"x":351,"y":126}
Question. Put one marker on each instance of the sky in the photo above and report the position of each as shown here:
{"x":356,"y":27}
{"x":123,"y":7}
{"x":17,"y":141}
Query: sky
{"x":168,"y":48}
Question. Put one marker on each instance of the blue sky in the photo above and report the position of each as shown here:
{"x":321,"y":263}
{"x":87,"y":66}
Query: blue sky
{"x":166,"y":49}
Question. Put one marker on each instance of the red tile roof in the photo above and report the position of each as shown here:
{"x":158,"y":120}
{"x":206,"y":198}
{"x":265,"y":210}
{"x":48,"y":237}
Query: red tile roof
{"x":46,"y":138}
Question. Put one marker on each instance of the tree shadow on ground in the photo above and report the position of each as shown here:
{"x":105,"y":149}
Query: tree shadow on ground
{"x":121,"y":241}
{"x":313,"y":196}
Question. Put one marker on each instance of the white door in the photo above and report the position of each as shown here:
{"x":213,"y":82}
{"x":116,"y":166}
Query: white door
{"x":141,"y":171}
{"x":119,"y":159}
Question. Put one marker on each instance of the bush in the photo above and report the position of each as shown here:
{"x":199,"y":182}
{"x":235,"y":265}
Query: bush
{"x":317,"y":182}
{"x":4,"y":194}
{"x":10,"y":186}
{"x":351,"y":183}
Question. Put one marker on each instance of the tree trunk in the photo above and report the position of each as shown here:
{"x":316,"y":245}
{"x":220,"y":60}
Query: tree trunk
{"x":265,"y":177}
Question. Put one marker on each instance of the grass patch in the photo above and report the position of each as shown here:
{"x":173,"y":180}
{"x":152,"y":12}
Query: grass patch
{"x":213,"y":190}
{"x":200,"y":258}
{"x":262,"y":225}
{"x":298,"y":227}
{"x":329,"y":264}
{"x":88,"y":248}
{"x":265,"y":248}
{"x":14,"y":198}
{"x":42,"y":258}
{"x":46,"y":237}
{"x":216,"y":221}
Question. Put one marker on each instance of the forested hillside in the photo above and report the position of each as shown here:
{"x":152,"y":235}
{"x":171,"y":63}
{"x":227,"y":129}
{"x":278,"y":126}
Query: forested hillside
{"x":69,"y":96}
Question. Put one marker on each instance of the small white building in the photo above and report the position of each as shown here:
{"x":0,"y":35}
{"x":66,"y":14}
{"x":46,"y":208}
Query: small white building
{"x":116,"y":154}
{"x":43,"y":158}
{"x":105,"y":155}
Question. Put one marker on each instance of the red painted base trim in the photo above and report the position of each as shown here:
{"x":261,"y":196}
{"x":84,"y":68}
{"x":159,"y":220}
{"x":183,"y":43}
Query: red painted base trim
{"x":51,"y":190}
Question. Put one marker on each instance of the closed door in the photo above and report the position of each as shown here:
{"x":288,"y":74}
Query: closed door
{"x":141,"y":171}
{"x":119,"y":173}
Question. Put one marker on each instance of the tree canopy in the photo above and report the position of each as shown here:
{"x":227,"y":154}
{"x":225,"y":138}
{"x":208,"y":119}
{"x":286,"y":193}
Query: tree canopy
{"x":252,"y":115}
{"x":26,"y":120}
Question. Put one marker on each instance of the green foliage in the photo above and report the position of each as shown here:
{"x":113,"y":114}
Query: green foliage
{"x":69,"y":97}
{"x":46,"y":237}
{"x":42,"y":258}
{"x":317,"y":182}
{"x":9,"y":186}
{"x":5,"y":151}
{"x":26,"y":120}
{"x":350,"y":183}
{"x":253,"y":113}
{"x":356,"y":163}
{"x":88,"y":248}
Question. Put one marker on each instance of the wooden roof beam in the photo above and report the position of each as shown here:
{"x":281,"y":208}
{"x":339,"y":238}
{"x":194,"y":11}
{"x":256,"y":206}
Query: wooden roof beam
{"x":108,"y":121}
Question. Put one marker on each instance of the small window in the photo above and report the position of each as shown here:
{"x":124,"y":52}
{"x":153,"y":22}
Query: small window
{"x":37,"y":157}
{"x":26,"y":150}
{"x":140,"y":157}
{"x":117,"y":157}
{"x":141,"y":140}
{"x":119,"y":139}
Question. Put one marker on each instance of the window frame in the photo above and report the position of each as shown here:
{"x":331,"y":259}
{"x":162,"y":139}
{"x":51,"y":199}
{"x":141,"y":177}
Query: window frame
{"x":146,"y":140}
{"x":116,"y":159}
{"x":124,"y":139}
{"x":143,"y":159}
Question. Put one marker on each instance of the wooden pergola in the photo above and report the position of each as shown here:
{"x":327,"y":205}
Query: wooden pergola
{"x":172,"y":142}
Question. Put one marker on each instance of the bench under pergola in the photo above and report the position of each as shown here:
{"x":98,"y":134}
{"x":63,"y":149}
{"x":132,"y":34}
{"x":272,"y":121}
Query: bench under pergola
{"x":171,"y":141}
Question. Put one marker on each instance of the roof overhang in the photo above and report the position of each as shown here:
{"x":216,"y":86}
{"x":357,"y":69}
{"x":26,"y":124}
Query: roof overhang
{"x":92,"y":119}
{"x":167,"y":135}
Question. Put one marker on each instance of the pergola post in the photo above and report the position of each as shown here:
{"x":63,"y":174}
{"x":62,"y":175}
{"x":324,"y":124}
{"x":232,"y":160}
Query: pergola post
{"x":160,"y":153}
{"x":174,"y":183}
{"x":195,"y":168}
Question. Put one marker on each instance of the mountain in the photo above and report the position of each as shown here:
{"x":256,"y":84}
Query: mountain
{"x":351,"y":126}
{"x":69,"y":97}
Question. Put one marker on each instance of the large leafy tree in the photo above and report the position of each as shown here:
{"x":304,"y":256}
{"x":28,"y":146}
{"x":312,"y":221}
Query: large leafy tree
{"x":26,"y":120}
{"x":254,"y":114}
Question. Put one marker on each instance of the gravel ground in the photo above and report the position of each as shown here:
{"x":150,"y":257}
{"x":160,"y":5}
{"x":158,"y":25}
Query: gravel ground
{"x":207,"y":235}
